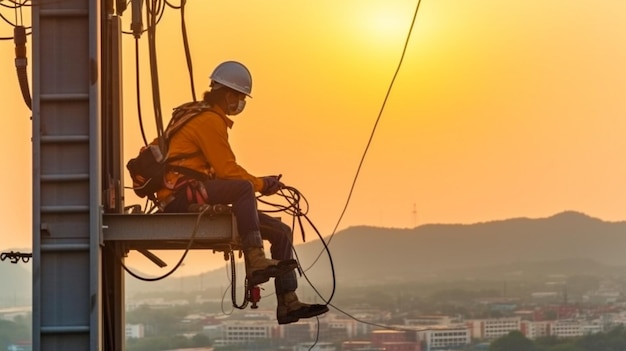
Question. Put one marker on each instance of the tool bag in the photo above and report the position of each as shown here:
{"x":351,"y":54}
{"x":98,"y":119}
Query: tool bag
{"x":149,"y":167}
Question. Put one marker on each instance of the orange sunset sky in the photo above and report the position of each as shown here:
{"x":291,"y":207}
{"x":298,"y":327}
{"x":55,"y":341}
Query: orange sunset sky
{"x":501,"y":108}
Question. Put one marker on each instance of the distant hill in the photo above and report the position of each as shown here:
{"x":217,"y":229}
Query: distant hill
{"x":411,"y":254}
{"x":566,"y":243}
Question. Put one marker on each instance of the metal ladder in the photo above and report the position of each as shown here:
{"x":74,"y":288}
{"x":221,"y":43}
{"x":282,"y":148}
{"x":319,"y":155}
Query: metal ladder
{"x":66,"y":180}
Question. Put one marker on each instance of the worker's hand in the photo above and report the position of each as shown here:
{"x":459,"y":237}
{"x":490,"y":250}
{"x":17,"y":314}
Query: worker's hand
{"x":271,"y":185}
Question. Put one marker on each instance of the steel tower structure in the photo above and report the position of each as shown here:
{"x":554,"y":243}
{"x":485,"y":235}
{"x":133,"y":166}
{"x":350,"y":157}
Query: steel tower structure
{"x":80,"y":231}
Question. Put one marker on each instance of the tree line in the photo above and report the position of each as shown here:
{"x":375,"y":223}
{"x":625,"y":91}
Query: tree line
{"x":613,"y":340}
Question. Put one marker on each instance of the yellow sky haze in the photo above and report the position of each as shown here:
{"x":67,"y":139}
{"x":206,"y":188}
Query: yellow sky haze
{"x":499,"y":109}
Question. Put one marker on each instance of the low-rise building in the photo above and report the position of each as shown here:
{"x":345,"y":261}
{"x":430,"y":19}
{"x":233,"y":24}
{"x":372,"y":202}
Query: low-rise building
{"x":566,"y":328}
{"x":134,"y":331}
{"x":445,"y":336}
{"x":245,"y":331}
{"x":319,"y":346}
{"x":534,"y":330}
{"x":395,"y":340}
{"x":438,"y":319}
{"x":493,"y":328}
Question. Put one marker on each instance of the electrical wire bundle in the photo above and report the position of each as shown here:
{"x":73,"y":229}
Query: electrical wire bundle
{"x":19,"y":38}
{"x":294,"y":207}
{"x":17,"y":7}
{"x":155,"y":10}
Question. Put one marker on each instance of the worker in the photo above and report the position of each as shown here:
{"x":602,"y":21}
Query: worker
{"x":223,"y":181}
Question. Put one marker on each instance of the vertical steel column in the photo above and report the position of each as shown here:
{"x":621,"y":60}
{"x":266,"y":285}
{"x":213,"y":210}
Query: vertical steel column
{"x":66,"y":176}
{"x":113,"y":289}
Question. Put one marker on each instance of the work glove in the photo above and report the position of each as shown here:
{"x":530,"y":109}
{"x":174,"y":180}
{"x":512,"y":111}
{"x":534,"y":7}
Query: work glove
{"x":271,"y":185}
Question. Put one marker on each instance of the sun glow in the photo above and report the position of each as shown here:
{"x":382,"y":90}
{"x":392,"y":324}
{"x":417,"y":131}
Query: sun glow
{"x":383,"y":22}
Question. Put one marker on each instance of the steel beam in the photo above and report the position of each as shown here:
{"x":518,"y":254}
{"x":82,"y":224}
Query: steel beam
{"x":171,"y":231}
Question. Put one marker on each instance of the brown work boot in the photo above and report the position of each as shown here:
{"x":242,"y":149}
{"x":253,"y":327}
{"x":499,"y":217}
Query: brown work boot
{"x":260,"y":269}
{"x":290,"y":309}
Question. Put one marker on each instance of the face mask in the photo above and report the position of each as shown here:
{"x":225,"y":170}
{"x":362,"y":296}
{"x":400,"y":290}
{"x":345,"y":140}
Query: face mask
{"x":236,"y":109}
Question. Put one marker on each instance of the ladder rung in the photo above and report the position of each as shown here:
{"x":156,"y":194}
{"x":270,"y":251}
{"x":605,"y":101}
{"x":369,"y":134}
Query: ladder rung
{"x":64,"y":139}
{"x":64,"y":177}
{"x":63,"y":13}
{"x":64,"y":247}
{"x":64,"y":209}
{"x":66,"y":329}
{"x":64,"y":97}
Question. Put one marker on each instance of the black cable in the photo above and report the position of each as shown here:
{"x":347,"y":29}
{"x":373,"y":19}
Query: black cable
{"x":152,"y":10}
{"x":382,"y":326}
{"x":160,"y":14}
{"x":21,"y":62}
{"x":21,"y":15}
{"x":7,"y":20}
{"x":15,"y":5}
{"x":12,"y":38}
{"x":294,"y":209}
{"x":18,"y":4}
{"x":380,"y":112}
{"x":174,"y":6}
{"x":317,"y":334}
{"x":138,"y":92}
{"x":182,"y":258}
{"x":186,"y":46}
{"x":363,"y":158}
{"x":293,"y":198}
{"x":230,"y":284}
{"x":184,"y":35}
{"x":233,"y":285}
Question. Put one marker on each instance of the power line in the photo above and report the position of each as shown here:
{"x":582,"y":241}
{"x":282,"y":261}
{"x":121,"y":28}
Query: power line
{"x":382,"y":108}
{"x":369,"y":142}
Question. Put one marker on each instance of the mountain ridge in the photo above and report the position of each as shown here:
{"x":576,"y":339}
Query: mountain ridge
{"x":436,"y":248}
{"x":568,"y":242}
{"x":374,"y":255}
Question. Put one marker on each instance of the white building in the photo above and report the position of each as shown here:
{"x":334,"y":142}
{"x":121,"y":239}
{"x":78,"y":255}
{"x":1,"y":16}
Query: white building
{"x":155,"y":303}
{"x":534,"y":330}
{"x":592,"y":327}
{"x":433,"y":320}
{"x":134,"y":331}
{"x":563,"y":328}
{"x":566,"y":328}
{"x":445,"y":336}
{"x":245,"y":331}
{"x":571,"y":328}
{"x":494,"y":328}
{"x":213,"y":331}
{"x":320,"y":346}
{"x":336,"y":322}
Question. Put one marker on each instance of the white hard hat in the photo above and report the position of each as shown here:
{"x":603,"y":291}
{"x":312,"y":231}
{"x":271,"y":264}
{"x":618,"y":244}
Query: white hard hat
{"x":234,"y":75}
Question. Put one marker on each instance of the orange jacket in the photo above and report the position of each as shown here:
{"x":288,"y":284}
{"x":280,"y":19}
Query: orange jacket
{"x":207,"y":133}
